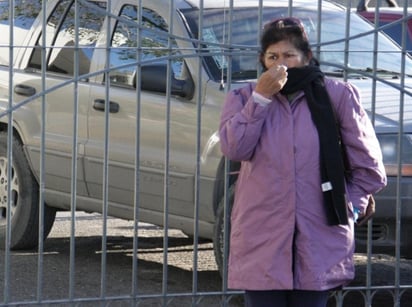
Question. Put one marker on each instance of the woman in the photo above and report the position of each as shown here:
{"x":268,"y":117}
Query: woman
{"x":292,"y":226}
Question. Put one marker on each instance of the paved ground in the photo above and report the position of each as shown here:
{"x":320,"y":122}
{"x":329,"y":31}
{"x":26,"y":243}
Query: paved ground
{"x":86,"y":274}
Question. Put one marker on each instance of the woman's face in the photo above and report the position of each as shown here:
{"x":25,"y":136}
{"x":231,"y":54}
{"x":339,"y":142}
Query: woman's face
{"x":284,"y":53}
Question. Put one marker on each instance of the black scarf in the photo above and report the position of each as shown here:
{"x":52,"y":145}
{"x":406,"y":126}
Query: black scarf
{"x":310,"y":80}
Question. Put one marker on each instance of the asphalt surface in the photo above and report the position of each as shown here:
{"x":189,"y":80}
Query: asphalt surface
{"x":74,"y":273}
{"x":89,"y":278}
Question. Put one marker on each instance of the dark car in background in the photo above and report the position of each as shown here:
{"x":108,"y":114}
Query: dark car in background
{"x":391,"y":21}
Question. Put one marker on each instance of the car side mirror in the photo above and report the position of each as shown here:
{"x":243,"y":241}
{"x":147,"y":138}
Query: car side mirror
{"x":154,"y":79}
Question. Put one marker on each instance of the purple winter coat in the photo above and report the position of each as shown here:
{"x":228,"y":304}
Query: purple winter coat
{"x":280,"y":238}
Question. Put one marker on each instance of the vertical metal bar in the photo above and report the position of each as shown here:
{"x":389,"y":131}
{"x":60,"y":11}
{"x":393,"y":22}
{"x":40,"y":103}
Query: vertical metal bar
{"x":106,"y":157}
{"x":197,"y":169}
{"x":347,"y":38}
{"x":259,"y":31}
{"x":226,"y":211}
{"x":9,"y":155}
{"x":42,"y":157}
{"x":226,"y":228}
{"x":368,"y":292}
{"x":375,"y":59}
{"x":290,"y":7}
{"x":260,"y":27}
{"x":135,"y":279}
{"x":166,"y":160}
{"x":399,"y":159}
{"x":369,"y":231}
{"x":319,"y":29}
{"x":73,"y":202}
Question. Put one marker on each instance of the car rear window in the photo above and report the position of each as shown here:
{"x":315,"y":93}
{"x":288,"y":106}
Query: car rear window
{"x":25,"y":13}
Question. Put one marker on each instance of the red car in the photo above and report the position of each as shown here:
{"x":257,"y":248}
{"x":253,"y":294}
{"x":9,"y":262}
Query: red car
{"x":390,"y":21}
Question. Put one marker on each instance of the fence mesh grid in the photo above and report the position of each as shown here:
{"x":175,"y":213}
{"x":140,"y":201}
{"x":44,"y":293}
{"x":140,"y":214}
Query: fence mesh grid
{"x":69,"y":138}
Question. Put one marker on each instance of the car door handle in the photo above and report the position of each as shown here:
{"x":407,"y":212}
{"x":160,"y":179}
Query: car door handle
{"x":24,"y":90}
{"x":100,"y":104}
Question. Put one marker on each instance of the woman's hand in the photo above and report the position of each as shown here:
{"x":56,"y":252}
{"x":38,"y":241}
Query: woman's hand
{"x":370,"y":211}
{"x":272,"y":81}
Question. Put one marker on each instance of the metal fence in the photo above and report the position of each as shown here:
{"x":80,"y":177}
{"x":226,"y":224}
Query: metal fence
{"x":112,"y":107}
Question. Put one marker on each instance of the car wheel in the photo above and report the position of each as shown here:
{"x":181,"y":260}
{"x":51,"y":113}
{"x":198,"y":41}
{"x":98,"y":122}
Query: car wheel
{"x":24,"y":202}
{"x":219,"y":228}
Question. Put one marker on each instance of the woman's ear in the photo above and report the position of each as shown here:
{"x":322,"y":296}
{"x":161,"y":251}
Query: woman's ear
{"x":309,"y":57}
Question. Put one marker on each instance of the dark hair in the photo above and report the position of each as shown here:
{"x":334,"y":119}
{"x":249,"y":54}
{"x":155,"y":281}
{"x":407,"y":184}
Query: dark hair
{"x":285,"y":29}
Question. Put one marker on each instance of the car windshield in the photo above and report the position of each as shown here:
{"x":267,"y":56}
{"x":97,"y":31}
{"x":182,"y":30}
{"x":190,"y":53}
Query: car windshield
{"x":241,"y":46}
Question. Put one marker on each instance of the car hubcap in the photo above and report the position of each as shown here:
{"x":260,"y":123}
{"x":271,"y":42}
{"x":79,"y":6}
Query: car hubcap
{"x":4,"y":197}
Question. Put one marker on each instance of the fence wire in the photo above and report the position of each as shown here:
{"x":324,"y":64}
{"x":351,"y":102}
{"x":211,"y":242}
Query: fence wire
{"x":108,"y":131}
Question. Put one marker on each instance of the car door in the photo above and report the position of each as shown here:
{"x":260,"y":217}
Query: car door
{"x":137,"y":127}
{"x":65,"y":105}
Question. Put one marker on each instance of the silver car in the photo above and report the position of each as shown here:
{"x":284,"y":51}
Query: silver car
{"x":121,"y":116}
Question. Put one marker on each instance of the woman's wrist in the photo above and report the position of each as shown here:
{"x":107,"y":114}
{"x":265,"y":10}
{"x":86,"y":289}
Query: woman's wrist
{"x":260,"y":99}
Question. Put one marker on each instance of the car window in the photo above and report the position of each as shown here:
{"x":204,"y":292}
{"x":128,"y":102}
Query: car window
{"x":154,"y":44}
{"x":61,"y":33}
{"x":336,"y":54}
{"x":25,"y":13}
{"x":395,"y":32}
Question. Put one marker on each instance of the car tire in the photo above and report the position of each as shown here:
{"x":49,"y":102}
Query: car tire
{"x":25,"y":204}
{"x":219,"y":229}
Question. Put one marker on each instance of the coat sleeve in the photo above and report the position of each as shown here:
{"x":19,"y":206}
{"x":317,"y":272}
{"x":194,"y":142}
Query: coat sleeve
{"x":367,"y":172}
{"x":240,"y":124}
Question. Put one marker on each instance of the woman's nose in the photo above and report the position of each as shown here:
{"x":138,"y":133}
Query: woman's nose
{"x":282,"y":61}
